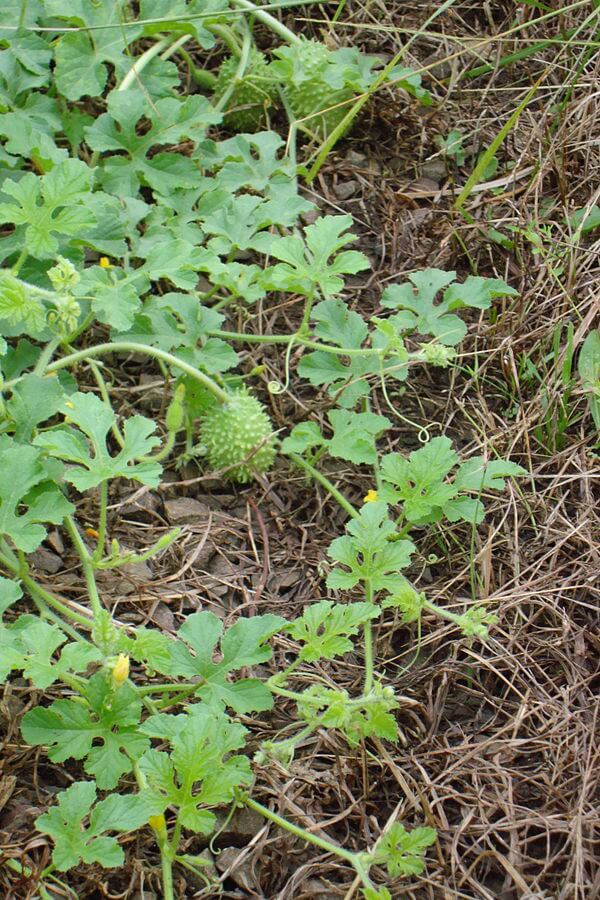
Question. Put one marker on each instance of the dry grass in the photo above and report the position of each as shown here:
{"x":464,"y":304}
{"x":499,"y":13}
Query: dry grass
{"x":499,"y":748}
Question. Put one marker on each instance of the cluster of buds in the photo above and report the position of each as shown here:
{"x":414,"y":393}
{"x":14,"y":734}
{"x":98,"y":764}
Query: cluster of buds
{"x":64,"y":278}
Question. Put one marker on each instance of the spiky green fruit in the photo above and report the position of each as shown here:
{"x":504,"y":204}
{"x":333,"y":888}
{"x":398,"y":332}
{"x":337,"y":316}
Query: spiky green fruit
{"x":232,"y":430}
{"x":251,"y":95}
{"x":314,"y":81}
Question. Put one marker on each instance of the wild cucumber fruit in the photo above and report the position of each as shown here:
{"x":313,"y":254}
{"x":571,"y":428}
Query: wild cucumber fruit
{"x":313,"y":81}
{"x":251,"y":95}
{"x":231,"y":431}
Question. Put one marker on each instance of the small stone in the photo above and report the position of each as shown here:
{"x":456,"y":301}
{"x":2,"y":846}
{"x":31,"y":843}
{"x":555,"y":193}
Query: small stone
{"x":186,"y":511}
{"x":241,"y":828}
{"x":239,"y":871}
{"x":354,"y":158}
{"x":163,"y":617}
{"x":435,"y":170}
{"x":343,"y":190}
{"x":46,"y":561}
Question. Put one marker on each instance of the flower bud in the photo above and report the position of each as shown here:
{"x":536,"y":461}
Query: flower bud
{"x":120,"y":672}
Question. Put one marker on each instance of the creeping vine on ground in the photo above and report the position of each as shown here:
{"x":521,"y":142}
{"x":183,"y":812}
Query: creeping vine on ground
{"x":107,"y":230}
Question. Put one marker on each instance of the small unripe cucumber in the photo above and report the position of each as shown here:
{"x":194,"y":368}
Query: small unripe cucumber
{"x":232,"y":430}
{"x":254,"y":92}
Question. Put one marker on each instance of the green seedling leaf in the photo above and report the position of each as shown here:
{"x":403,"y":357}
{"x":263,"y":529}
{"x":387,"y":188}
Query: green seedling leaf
{"x":587,"y":218}
{"x":402,"y":851}
{"x":29,"y":496}
{"x":367,"y":554}
{"x":477,"y":475}
{"x":325,"y":627}
{"x":408,"y":601}
{"x":249,"y":161}
{"x":29,"y":129}
{"x":74,"y":842}
{"x":82,"y":56}
{"x":202,"y":768}
{"x":354,"y":435}
{"x":476,"y":622}
{"x":452,"y":146}
{"x":364,"y":717}
{"x":114,"y":295}
{"x":316,"y":262}
{"x":244,"y":644}
{"x":305,"y":436}
{"x":94,"y":419}
{"x":178,"y":323}
{"x":21,"y":309}
{"x":239,"y":225}
{"x":589,"y":372}
{"x":49,"y":205}
{"x":419,"y":481}
{"x":420,"y":313}
{"x":34,"y":400}
{"x":72,"y":728}
{"x":171,"y":121}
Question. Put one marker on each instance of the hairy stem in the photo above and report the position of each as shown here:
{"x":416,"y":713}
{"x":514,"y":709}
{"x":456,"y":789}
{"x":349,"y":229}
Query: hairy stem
{"x":132,"y":347}
{"x":368,"y":642}
{"x":268,"y":20}
{"x":98,"y":552}
{"x":322,"y":479}
{"x":353,"y":858}
{"x":87,"y":565}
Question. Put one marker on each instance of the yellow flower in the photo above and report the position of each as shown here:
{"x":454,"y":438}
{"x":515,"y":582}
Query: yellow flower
{"x":371,"y":497}
{"x":120,"y":673}
{"x":104,"y":262}
{"x":159,"y":825}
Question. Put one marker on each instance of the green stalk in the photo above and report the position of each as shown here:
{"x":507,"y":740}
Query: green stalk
{"x":368,"y":642}
{"x":99,"y":551}
{"x":42,"y":595}
{"x":21,"y":259}
{"x":356,"y":860}
{"x":167,"y":871}
{"x":322,"y":479}
{"x":227,"y":36}
{"x":341,"y":128}
{"x":131,"y":347}
{"x":268,"y":20}
{"x":88,"y":568}
{"x":203,"y":78}
{"x":46,"y":356}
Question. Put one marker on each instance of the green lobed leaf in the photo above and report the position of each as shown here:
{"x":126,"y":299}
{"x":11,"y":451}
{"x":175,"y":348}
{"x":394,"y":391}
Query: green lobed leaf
{"x":95,"y":419}
{"x":402,"y":851}
{"x":367,"y":553}
{"x":71,"y":730}
{"x":325,"y":627}
{"x":28,"y":498}
{"x":244,"y":644}
{"x":74,"y":842}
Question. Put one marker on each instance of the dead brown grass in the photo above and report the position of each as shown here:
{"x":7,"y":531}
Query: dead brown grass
{"x":499,"y":748}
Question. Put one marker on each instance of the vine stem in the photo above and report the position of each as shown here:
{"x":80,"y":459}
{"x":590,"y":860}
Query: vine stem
{"x":368,"y":642}
{"x":99,"y":551}
{"x":304,"y":835}
{"x":268,"y":20}
{"x":358,"y":861}
{"x":322,"y":479}
{"x":131,"y":347}
{"x":88,"y":567}
{"x":143,"y":60}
